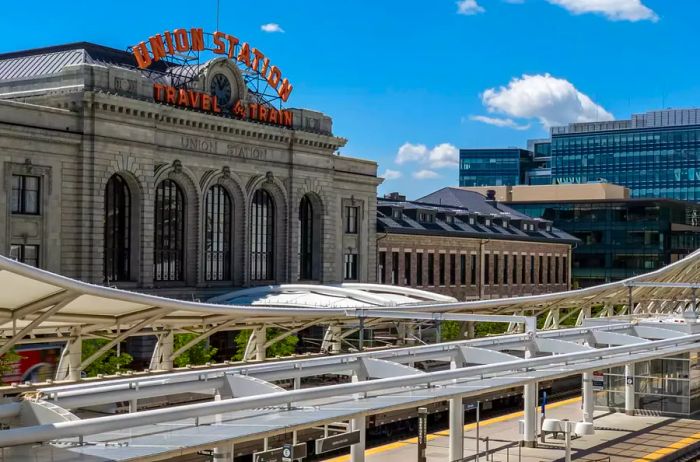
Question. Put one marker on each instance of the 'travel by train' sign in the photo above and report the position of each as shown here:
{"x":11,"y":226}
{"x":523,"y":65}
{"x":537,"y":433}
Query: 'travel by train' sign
{"x":209,"y":103}
{"x":182,"y":41}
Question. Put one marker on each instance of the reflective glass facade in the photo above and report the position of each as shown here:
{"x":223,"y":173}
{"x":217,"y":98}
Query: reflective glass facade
{"x":620,"y":239}
{"x":490,"y":167}
{"x":660,"y":162}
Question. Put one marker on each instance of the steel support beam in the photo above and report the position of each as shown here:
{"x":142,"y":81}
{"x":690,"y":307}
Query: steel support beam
{"x":357,"y":451}
{"x":629,"y":389}
{"x":588,"y":404}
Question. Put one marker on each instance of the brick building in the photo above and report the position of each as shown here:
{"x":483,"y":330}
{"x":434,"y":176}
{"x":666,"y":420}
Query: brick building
{"x":462,"y":244}
{"x":105,"y":183}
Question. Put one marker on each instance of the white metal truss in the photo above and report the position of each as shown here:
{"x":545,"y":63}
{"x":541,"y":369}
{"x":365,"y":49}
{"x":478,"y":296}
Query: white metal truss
{"x":246,"y":403}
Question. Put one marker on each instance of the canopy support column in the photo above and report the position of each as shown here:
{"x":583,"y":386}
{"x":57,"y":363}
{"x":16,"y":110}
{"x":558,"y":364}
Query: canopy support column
{"x":629,"y":389}
{"x":357,"y":451}
{"x":71,"y":357}
{"x":588,"y":398}
{"x":260,"y":338}
{"x":530,"y":417}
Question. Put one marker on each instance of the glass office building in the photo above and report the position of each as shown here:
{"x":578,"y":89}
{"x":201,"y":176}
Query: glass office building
{"x":497,"y":167}
{"x":656,"y":154}
{"x":621,"y":238}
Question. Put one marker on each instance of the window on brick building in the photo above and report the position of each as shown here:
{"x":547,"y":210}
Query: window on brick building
{"x":431,"y":269}
{"x":541,"y":272}
{"x":382,"y":267}
{"x":453,"y":269}
{"x":487,"y":267}
{"x":395,"y":268}
{"x":505,"y":269}
{"x":515,"y":269}
{"x":473,"y":270}
{"x":407,"y":268}
{"x":463,"y":270}
{"x":496,"y":262}
{"x":532,"y":269}
{"x":523,"y":270}
{"x":442,"y":269}
{"x":419,"y":268}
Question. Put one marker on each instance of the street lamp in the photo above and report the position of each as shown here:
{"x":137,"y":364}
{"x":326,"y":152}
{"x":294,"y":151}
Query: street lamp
{"x":568,"y":428}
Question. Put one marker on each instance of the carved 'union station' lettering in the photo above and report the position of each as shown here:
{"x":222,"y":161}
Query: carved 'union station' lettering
{"x":194,"y":143}
{"x":247,"y":152}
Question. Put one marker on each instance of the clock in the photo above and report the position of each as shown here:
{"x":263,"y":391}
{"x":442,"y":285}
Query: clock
{"x":221,"y":88}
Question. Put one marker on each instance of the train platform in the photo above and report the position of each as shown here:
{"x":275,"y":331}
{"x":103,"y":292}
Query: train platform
{"x":618,"y":438}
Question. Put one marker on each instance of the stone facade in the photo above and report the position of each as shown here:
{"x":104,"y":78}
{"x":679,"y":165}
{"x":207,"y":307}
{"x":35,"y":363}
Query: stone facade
{"x":76,"y":128}
{"x":469,"y":256}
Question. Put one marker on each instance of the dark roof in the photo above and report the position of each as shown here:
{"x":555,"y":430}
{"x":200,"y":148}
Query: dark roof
{"x":461,"y":226}
{"x":470,"y":200}
{"x":39,"y":62}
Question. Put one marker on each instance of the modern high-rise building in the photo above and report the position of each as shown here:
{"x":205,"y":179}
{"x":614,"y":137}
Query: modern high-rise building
{"x":656,"y":155}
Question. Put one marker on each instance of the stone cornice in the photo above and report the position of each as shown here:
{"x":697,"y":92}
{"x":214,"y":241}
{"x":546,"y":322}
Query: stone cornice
{"x":149,"y":111}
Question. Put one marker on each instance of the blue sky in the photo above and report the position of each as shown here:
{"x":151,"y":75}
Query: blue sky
{"x":409,"y":82}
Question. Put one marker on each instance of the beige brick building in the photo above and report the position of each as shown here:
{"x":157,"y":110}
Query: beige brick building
{"x":106,"y":185}
{"x":458,"y":243}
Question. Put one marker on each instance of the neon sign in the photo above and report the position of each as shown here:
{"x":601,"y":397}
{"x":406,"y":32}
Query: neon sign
{"x":181,"y":41}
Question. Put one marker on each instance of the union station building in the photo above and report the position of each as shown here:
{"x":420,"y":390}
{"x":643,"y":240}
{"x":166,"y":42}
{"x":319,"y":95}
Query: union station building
{"x":180,"y":178}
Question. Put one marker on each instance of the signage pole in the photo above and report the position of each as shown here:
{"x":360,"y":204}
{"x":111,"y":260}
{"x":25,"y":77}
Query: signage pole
{"x":422,"y":433}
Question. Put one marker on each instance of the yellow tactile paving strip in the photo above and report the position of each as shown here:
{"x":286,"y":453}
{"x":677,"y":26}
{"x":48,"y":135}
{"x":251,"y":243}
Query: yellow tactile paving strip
{"x":644,"y":447}
{"x":432,"y":436}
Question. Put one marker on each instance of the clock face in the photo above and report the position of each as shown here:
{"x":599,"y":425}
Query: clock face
{"x":221,"y":88}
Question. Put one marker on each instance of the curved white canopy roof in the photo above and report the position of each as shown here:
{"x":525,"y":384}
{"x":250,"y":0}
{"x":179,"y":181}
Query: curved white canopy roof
{"x":37,"y":302}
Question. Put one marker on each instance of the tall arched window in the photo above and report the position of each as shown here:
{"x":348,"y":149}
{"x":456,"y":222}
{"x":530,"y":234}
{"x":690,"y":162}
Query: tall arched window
{"x":217,"y":234}
{"x":169,"y":242}
{"x":262,"y":215}
{"x":117,"y":240}
{"x":306,"y":239}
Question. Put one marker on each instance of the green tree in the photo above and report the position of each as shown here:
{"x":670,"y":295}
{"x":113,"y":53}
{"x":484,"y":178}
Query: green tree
{"x":108,"y":363}
{"x":284,"y":347}
{"x":450,"y":331}
{"x":199,"y":354}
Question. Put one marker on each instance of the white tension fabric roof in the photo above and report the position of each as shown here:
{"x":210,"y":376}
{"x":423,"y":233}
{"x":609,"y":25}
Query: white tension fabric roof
{"x":251,"y":406}
{"x":36,"y":305}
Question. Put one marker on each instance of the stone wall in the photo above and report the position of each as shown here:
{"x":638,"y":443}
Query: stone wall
{"x":85,"y":137}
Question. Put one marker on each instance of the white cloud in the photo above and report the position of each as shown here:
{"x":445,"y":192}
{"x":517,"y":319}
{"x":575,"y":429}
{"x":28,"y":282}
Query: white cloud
{"x":411,"y":153}
{"x":551,"y":100}
{"x":615,"y":10}
{"x":500,"y":122}
{"x":271,"y":27}
{"x":468,"y":7}
{"x":391,"y":174}
{"x":425,"y":175}
{"x":440,"y":156}
{"x":443,"y":155}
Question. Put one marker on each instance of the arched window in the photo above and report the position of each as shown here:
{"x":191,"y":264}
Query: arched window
{"x":262,"y":216}
{"x":169,"y":242}
{"x":117,"y":240}
{"x":217,"y":234}
{"x":306,"y":239}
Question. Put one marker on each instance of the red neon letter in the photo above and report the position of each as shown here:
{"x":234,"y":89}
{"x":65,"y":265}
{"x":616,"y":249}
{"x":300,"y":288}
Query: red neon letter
{"x":143,"y":58}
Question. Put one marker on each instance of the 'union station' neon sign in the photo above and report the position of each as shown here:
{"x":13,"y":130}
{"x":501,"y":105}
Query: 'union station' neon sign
{"x":169,"y":43}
